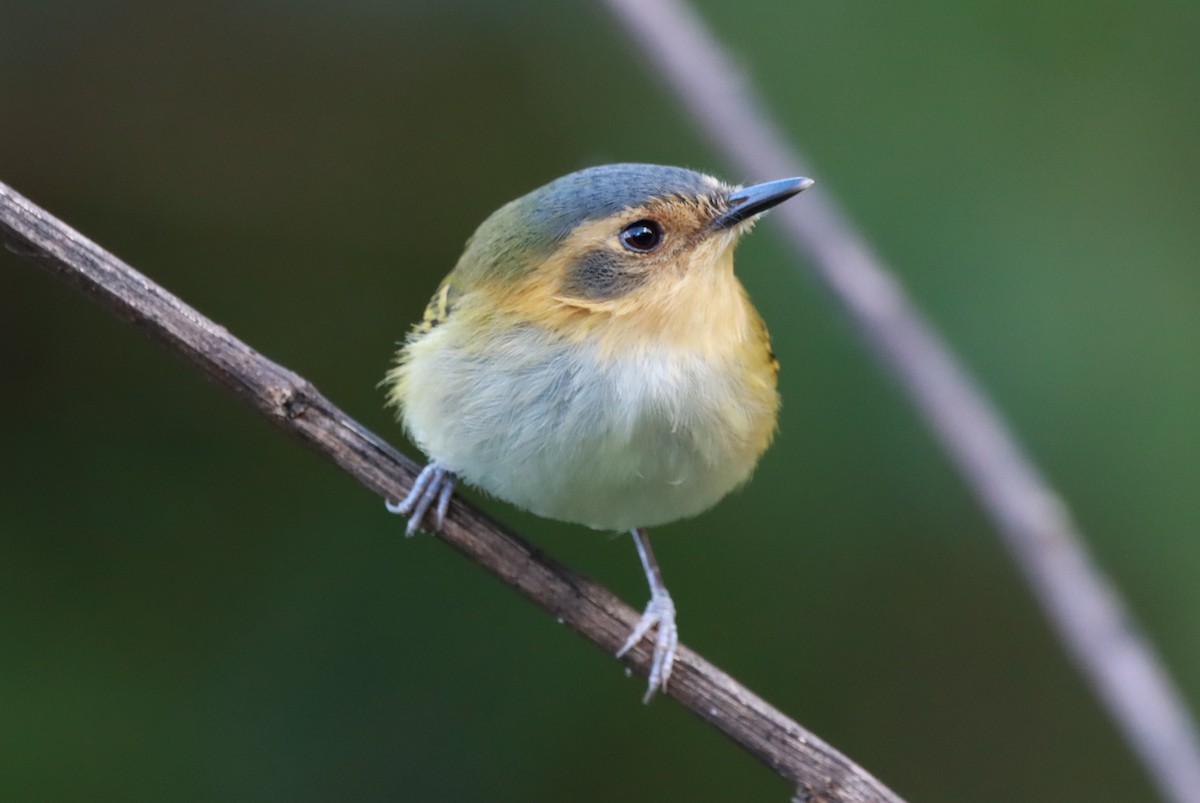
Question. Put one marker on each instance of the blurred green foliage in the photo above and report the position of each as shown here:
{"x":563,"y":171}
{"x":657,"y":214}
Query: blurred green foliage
{"x":194,"y":608}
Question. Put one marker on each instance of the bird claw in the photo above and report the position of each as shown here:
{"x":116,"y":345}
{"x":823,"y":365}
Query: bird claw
{"x":659,"y":615}
{"x":433,"y":485}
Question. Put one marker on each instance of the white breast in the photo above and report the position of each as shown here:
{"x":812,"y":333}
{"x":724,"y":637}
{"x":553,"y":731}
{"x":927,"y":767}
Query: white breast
{"x":608,"y":443}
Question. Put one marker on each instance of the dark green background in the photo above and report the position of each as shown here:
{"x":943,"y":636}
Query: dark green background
{"x":193,"y":607}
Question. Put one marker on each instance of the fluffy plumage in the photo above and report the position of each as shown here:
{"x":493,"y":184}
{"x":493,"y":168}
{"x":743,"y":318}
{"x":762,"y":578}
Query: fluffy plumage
{"x":623,"y":411}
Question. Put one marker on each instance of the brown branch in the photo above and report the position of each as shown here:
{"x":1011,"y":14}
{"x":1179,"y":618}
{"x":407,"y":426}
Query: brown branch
{"x":1081,"y":603}
{"x":819,"y":771}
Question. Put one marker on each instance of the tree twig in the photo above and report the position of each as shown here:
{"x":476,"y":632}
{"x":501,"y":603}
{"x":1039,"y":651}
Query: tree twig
{"x":1084,"y":607}
{"x":818,"y":770}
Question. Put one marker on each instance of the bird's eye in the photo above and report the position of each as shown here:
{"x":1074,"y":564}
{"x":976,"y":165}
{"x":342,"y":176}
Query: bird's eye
{"x":642,"y":236}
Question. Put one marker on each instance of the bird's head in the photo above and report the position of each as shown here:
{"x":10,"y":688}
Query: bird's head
{"x":617,"y":242}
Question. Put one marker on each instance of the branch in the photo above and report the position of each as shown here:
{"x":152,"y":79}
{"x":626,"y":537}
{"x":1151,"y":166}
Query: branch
{"x":818,"y":770}
{"x":1081,"y":603}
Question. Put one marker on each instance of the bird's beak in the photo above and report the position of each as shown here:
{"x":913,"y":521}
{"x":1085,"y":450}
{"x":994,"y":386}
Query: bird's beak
{"x":750,"y":201}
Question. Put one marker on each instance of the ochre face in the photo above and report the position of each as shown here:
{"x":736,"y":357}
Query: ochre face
{"x":655,"y":273}
{"x":607,"y":260}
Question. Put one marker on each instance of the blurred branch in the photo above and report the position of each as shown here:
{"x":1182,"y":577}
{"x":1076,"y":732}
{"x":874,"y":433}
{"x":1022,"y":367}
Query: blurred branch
{"x":821,"y":772}
{"x":1099,"y":632}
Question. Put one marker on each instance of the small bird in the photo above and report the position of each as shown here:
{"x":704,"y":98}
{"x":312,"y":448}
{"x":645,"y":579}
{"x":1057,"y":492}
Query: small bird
{"x":593,"y":359}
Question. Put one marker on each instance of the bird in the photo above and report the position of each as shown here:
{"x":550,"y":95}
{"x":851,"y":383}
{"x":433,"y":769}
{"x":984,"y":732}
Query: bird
{"x":593,"y":359}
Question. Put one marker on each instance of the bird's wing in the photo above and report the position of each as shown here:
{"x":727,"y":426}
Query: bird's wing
{"x":439,"y":307}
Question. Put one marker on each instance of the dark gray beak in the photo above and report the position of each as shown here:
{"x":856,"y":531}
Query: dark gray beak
{"x":750,"y":201}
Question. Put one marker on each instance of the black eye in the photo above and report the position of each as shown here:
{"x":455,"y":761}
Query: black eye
{"x":644,"y":235}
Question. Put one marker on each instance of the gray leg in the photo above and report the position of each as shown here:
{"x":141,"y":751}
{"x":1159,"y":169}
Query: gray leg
{"x":433,"y":484}
{"x":660,"y":615}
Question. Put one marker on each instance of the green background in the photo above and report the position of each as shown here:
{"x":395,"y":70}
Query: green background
{"x":193,"y":607}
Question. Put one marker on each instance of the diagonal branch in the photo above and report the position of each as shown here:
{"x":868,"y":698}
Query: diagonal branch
{"x":800,"y":757}
{"x":1088,"y":613}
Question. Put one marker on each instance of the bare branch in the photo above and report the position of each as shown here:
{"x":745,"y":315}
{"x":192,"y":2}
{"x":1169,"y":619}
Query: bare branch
{"x":818,"y":770}
{"x":1083,"y":606}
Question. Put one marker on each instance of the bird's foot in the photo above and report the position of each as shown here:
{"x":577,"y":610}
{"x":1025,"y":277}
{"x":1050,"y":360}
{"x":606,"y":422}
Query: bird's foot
{"x":659,"y":616}
{"x":433,"y":485}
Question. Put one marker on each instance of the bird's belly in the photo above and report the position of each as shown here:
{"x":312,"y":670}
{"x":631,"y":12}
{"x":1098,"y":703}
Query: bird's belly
{"x":609,"y":443}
